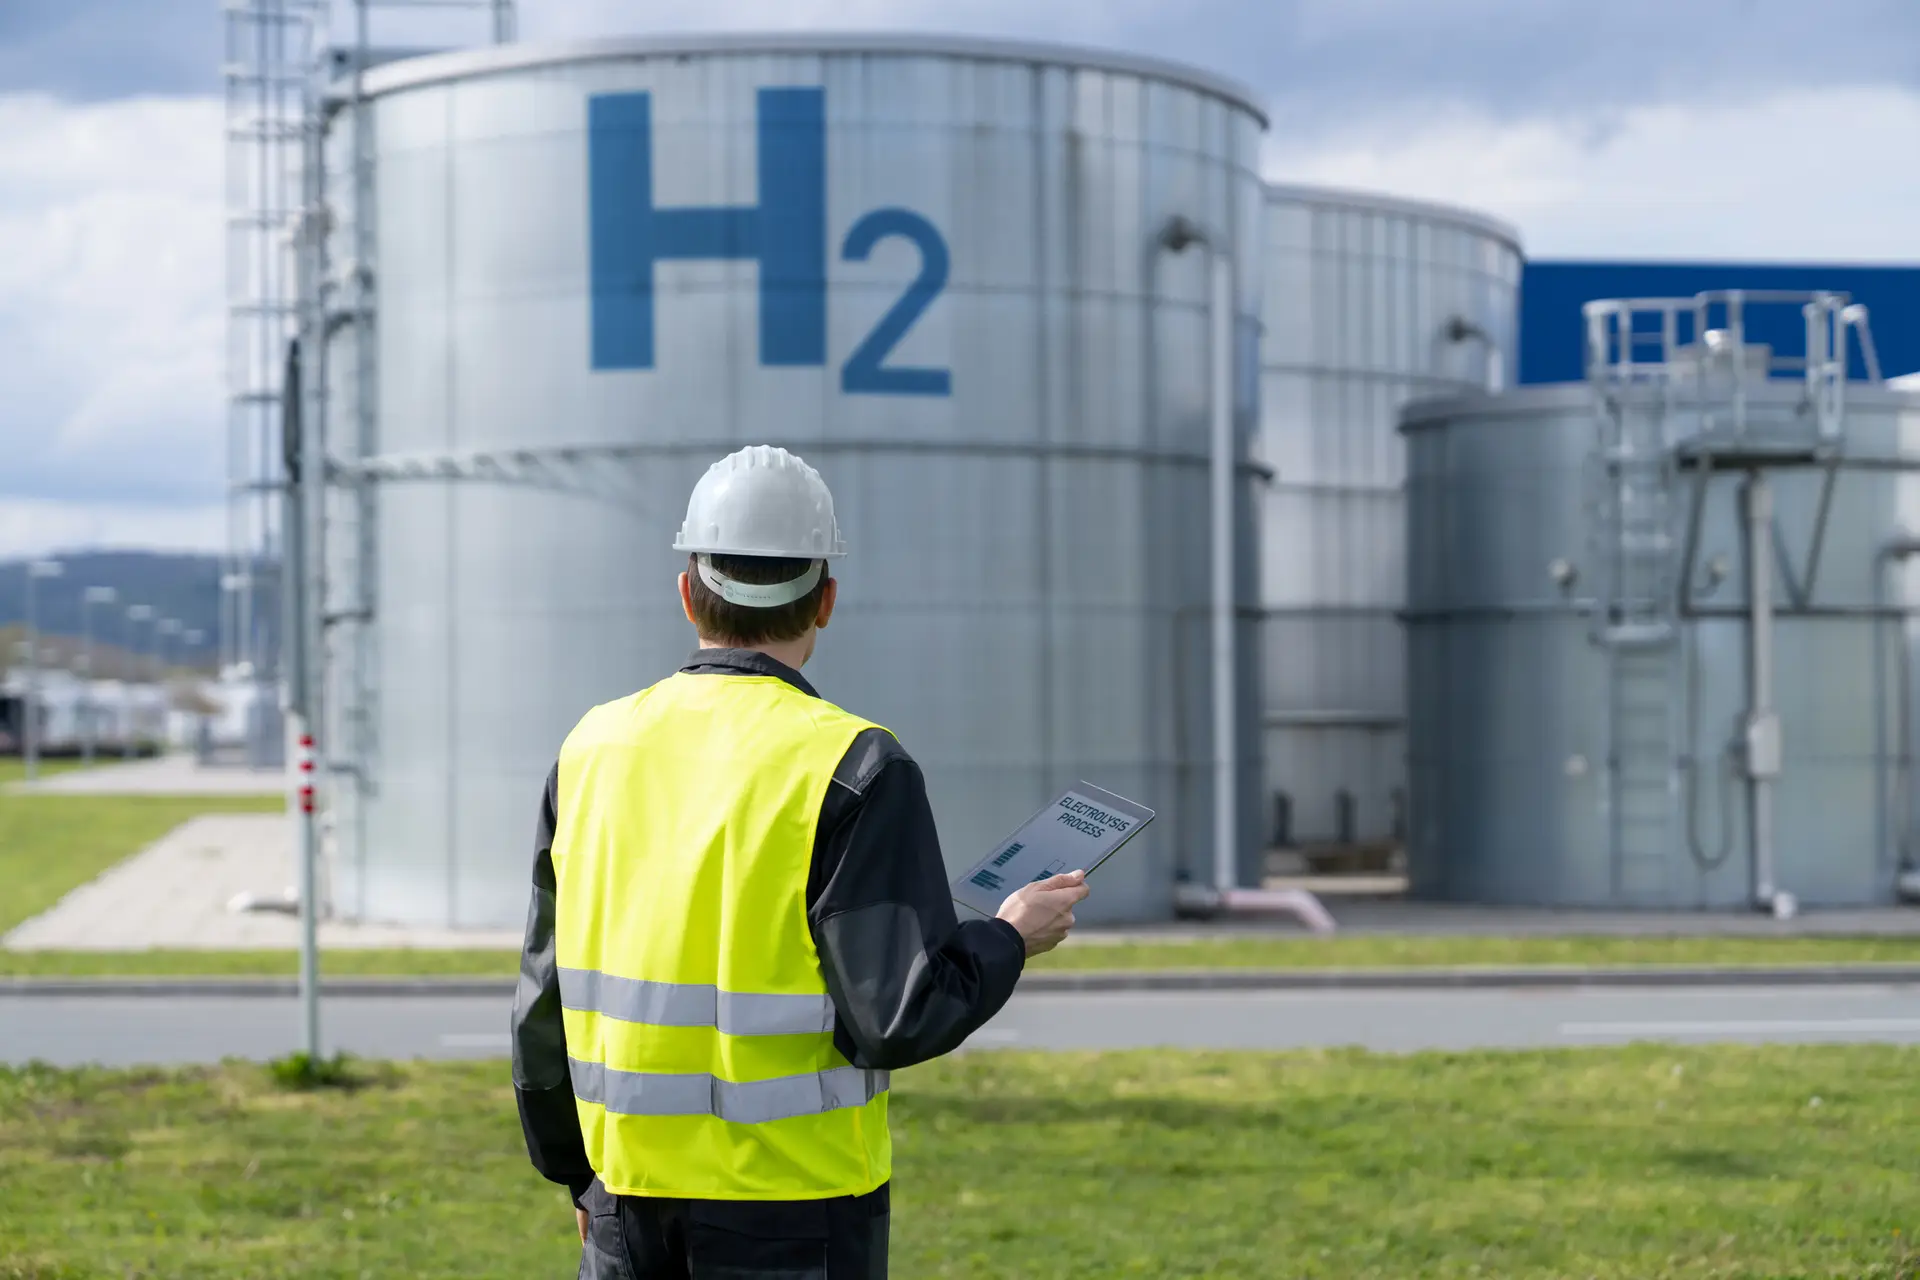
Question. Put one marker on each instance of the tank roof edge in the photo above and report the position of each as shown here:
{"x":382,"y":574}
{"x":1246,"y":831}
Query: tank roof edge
{"x":413,"y":73}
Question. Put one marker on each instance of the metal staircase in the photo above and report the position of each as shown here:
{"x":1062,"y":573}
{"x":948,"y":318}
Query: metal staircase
{"x":1631,"y":521}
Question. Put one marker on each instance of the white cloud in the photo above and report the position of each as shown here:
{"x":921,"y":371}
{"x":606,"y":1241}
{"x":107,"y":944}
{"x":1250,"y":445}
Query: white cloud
{"x":111,"y":299}
{"x":1808,"y":176}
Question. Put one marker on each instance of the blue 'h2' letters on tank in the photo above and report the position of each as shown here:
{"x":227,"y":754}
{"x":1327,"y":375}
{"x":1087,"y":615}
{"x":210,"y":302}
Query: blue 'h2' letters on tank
{"x":786,"y":233}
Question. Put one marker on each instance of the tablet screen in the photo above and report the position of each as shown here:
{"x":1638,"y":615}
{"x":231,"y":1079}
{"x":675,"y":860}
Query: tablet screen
{"x":1078,"y":831}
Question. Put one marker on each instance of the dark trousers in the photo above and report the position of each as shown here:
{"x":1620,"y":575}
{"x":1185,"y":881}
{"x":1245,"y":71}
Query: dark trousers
{"x":642,"y":1238}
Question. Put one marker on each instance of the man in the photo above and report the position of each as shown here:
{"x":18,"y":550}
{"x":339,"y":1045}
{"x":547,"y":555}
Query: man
{"x":740,"y":925}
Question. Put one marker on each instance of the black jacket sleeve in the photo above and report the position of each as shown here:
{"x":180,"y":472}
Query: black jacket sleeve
{"x":541,"y":1080}
{"x":909,"y":981}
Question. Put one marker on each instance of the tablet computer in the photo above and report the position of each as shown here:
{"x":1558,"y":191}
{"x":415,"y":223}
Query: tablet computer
{"x":1077,"y":832}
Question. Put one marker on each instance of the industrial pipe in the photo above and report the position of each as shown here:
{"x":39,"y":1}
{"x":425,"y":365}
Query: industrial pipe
{"x":1226,"y":869}
{"x":1460,"y":329}
{"x":1298,"y":903}
{"x":1179,"y":234}
{"x":1906,"y":876}
{"x":1762,"y":735}
{"x":1225,"y":896}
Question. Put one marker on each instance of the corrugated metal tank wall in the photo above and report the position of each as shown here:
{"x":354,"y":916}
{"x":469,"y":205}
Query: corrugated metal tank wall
{"x":1511,"y":730}
{"x":961,"y":320}
{"x":1358,"y":294}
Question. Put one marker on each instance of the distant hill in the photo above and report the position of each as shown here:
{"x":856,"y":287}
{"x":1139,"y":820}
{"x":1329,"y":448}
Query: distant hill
{"x":176,"y":585}
{"x":110,"y":661}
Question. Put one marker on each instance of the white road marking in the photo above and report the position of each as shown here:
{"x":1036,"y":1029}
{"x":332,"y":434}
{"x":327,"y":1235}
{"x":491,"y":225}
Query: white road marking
{"x":1740,"y":1027}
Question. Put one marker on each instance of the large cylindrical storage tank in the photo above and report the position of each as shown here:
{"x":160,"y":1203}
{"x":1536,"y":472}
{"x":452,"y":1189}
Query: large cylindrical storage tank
{"x":930,"y":267}
{"x":1557,"y":761}
{"x":1369,"y":301}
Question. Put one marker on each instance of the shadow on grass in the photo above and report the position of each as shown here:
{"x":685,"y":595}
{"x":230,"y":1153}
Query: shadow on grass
{"x":1160,"y":1113}
{"x":1708,"y":1163}
{"x":92,"y":1144}
{"x":303,"y":1072}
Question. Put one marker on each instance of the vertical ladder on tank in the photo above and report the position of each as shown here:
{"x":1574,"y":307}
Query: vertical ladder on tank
{"x":1643,"y":791}
{"x":1634,"y":620}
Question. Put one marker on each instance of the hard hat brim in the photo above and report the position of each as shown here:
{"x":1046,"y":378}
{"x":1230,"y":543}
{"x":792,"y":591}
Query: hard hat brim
{"x":770,"y":553}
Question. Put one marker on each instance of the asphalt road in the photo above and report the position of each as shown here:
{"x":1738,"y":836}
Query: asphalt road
{"x":72,"y":1030}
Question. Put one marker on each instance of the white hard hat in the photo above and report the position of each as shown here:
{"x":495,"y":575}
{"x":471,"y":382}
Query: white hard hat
{"x":761,"y":501}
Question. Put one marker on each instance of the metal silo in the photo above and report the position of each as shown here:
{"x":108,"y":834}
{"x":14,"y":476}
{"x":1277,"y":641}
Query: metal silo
{"x":931,"y":267}
{"x":1369,"y":302}
{"x":1657,"y":622}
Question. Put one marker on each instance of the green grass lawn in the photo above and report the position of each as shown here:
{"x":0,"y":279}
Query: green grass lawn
{"x":14,"y":769}
{"x":1631,"y":1163}
{"x":1370,"y":952}
{"x":50,"y":844}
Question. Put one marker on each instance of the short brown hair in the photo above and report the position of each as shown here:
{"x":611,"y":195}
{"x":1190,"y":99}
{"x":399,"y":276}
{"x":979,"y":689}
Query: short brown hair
{"x":725,"y":623}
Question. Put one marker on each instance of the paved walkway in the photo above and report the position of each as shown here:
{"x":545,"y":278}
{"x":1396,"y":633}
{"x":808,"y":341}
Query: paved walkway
{"x":177,"y":893}
{"x":173,"y":775}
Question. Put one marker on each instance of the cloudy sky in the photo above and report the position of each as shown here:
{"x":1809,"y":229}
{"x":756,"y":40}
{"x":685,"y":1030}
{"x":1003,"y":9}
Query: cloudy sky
{"x":1752,"y":129}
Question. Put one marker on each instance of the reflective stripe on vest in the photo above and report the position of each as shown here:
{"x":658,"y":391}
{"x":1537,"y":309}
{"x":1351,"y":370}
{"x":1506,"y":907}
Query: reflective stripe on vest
{"x":641,"y":1093}
{"x":688,"y":1004}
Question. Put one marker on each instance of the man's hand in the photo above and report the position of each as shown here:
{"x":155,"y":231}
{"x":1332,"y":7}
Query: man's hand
{"x":580,"y":1219}
{"x":1043,"y":911}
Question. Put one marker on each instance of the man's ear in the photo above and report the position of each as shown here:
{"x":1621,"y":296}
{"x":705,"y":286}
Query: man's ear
{"x":827,"y":598}
{"x":686,"y":598}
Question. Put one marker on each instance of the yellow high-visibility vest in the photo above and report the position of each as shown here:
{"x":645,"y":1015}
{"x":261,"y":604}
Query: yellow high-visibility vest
{"x":699,"y":1028}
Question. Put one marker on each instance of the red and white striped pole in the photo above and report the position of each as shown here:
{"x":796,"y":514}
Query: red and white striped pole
{"x":308,"y":849}
{"x":304,"y":778}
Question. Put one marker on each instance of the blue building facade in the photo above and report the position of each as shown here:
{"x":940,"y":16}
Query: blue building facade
{"x":1552,"y":334}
